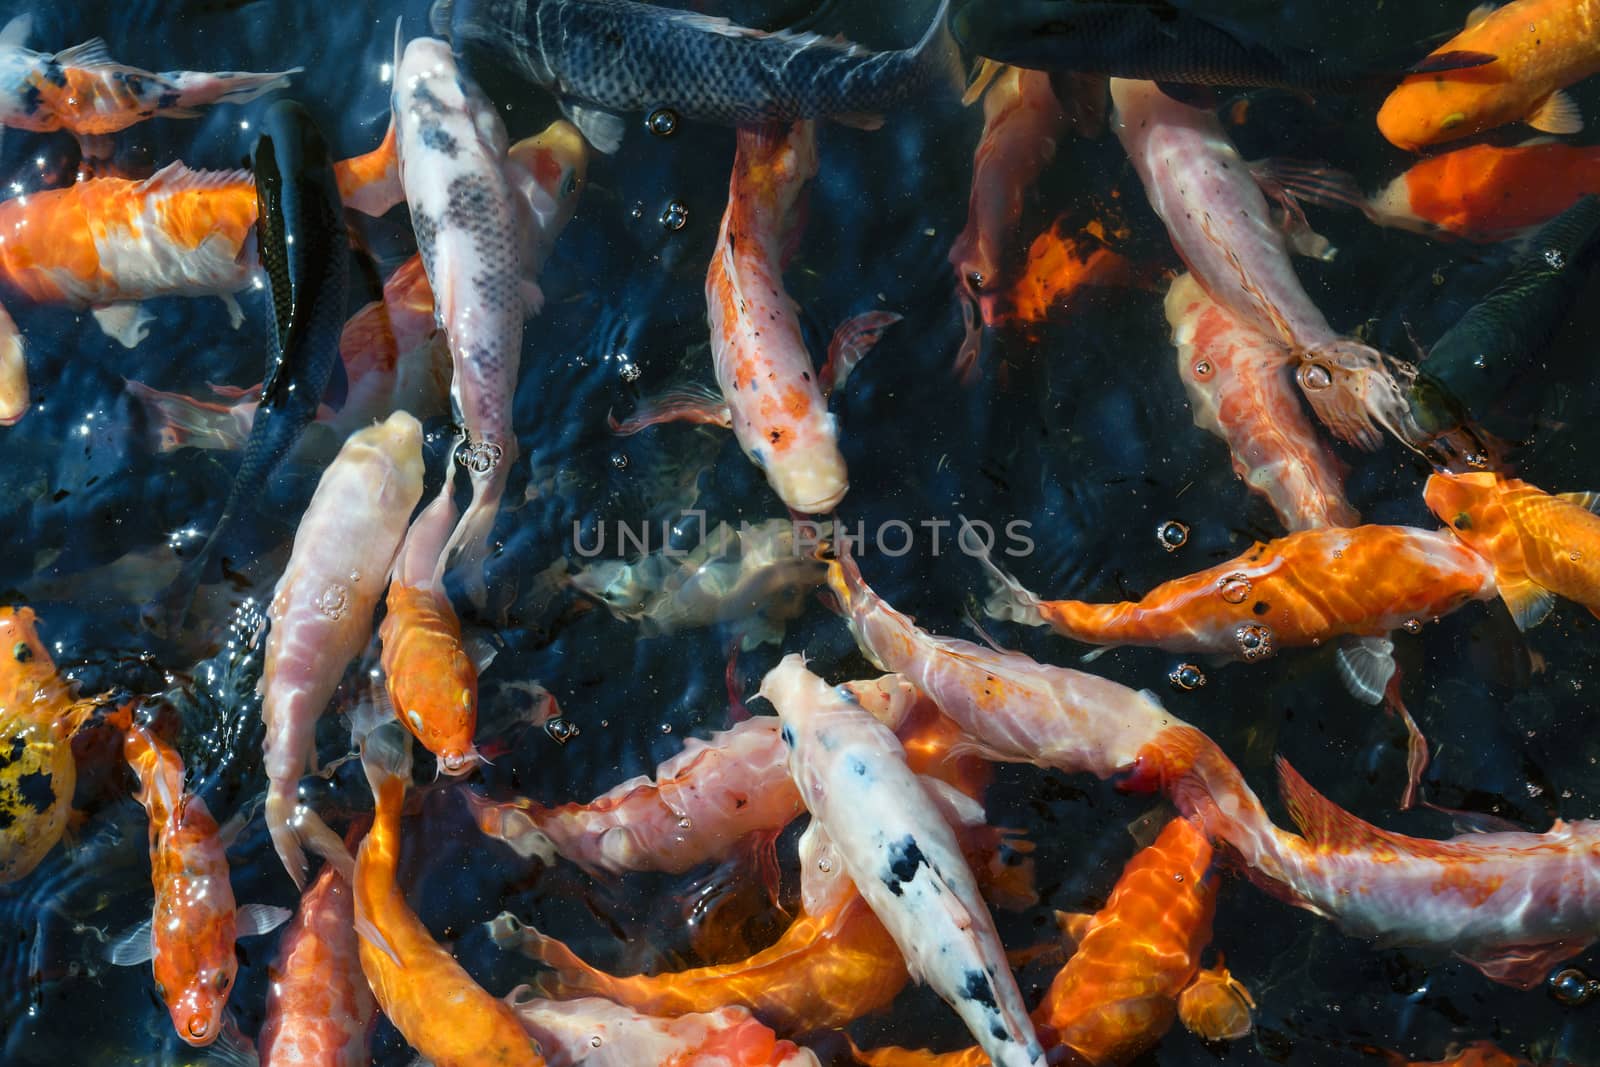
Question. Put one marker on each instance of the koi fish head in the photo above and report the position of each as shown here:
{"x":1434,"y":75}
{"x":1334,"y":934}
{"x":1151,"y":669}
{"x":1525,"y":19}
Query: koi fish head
{"x":1426,"y":109}
{"x":1467,"y":503}
{"x":557,"y":160}
{"x":26,"y":671}
{"x":1354,"y":391}
{"x":439,"y":705}
{"x":196,"y":1000}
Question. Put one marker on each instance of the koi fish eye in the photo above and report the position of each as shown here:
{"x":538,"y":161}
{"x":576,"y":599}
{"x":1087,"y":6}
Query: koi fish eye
{"x":1462,"y":521}
{"x":466,"y":698}
{"x":21,"y":652}
{"x":976,"y":279}
{"x":569,"y":184}
{"x":415,"y":719}
{"x":224,"y":979}
{"x":1452,"y":120}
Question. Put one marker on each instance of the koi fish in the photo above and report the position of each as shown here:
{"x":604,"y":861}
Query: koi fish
{"x":1297,"y":591}
{"x":1478,"y":193}
{"x":1542,"y":46}
{"x":370,"y":183}
{"x":410,"y":973}
{"x":1219,"y":224}
{"x":83,"y":90}
{"x":1540,"y":545}
{"x":431,"y":681}
{"x":452,"y":147}
{"x":693,"y":65}
{"x":834,"y":963}
{"x":13,"y":372}
{"x":38,"y":716}
{"x":905,"y":861}
{"x":1165,"y":42}
{"x":598,"y":1033}
{"x":770,"y":393}
{"x":1511,"y":904}
{"x":1477,"y":1054}
{"x":393,"y":359}
{"x":755,"y":580}
{"x":1021,"y":120}
{"x":319,"y":1009}
{"x":322,"y":607}
{"x":189,"y":938}
{"x":1236,"y":385}
{"x":1135,"y":968}
{"x":710,"y":795}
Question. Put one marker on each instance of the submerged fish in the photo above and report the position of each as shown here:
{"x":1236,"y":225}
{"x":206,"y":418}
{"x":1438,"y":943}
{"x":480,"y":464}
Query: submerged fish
{"x":38,"y":717}
{"x":769,"y":392}
{"x":1160,"y":41}
{"x":1541,"y":545}
{"x":189,"y":938}
{"x":301,"y":235}
{"x":322,"y":607}
{"x":904,"y":859}
{"x":1542,"y":46}
{"x":13,"y":372}
{"x":602,"y":57}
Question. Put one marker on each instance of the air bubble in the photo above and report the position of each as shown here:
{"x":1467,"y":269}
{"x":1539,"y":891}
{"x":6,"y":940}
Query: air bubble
{"x":1315,"y":376}
{"x":1412,"y":626}
{"x":1255,"y":641}
{"x":630,"y":372}
{"x":663,"y":122}
{"x":1172,"y":535}
{"x":1572,"y":986}
{"x":479,"y":457}
{"x":334,"y":601}
{"x":1235,"y":588}
{"x":684,"y":823}
{"x":825,"y":866}
{"x":619,"y":461}
{"x":1187,"y":677}
{"x":594,"y":1042}
{"x":1554,"y":257}
{"x":676,"y":216}
{"x":1203,"y":369}
{"x":561,"y":730}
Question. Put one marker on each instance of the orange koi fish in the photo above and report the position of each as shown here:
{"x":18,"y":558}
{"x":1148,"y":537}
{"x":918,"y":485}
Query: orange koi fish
{"x":1541,"y":545}
{"x":432,"y":682}
{"x":394,"y":359}
{"x":13,"y":372}
{"x":1511,"y":904}
{"x":319,"y":1008}
{"x":1542,"y":46}
{"x":83,"y":90}
{"x":1021,"y":120}
{"x":189,"y":938}
{"x":1300,"y":590}
{"x":712,"y":794}
{"x":38,"y":717}
{"x":1479,"y":193}
{"x":771,"y":394}
{"x":598,"y":1033}
{"x":429,"y":997}
{"x":1477,"y":1054}
{"x":1238,"y":386}
{"x":1136,"y":967}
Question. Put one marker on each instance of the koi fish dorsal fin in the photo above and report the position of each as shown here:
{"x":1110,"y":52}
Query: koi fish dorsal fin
{"x":1527,"y":601}
{"x":1478,"y":14}
{"x":91,"y":53}
{"x":1327,"y":825}
{"x":177,"y":178}
{"x":16,"y":32}
{"x":1558,"y":114}
{"x":1586,"y":501}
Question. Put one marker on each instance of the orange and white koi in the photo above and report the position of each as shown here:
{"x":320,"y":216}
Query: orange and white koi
{"x":38,"y":716}
{"x":321,"y":612}
{"x":1541,"y":47}
{"x":1480,"y":193}
{"x":1238,"y":390}
{"x":1510,"y":904}
{"x":1297,"y":591}
{"x":13,"y":372}
{"x":432,"y":683}
{"x":189,"y":938}
{"x":770,"y":393}
{"x":83,"y":90}
{"x":834,"y":963}
{"x":1136,"y":967}
{"x":1217,"y":218}
{"x":393,"y":360}
{"x":905,"y":860}
{"x":429,"y":997}
{"x":1541,"y":545}
{"x":598,"y":1033}
{"x":1021,"y":121}
{"x":713,"y":794}
{"x":319,"y":1009}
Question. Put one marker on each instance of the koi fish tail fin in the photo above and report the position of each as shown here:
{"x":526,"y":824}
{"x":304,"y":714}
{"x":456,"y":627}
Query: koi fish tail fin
{"x":972,"y":324}
{"x":1357,"y":391}
{"x":1008,"y":599}
{"x":695,"y":403}
{"x":1313,"y":184}
{"x":467,"y":549}
{"x":420,"y":562}
{"x":573,"y":977}
{"x":516,"y":824}
{"x":386,"y":755}
{"x":177,"y":421}
{"x":283,"y":814}
{"x":854,"y":338}
{"x":321,"y":839}
{"x":196,"y":90}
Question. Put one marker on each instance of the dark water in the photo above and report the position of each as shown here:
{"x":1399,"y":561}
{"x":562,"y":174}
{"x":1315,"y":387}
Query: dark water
{"x":1081,"y":429}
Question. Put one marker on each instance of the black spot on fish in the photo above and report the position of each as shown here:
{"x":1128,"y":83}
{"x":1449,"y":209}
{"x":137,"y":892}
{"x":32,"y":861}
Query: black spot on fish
{"x":904,"y":859}
{"x":787,"y":735}
{"x":471,"y":199}
{"x":18,"y":747}
{"x":859,"y":769}
{"x":168,"y":99}
{"x":55,"y":75}
{"x":31,"y":100}
{"x":979,"y":989}
{"x":1261,"y":607}
{"x":435,"y":137}
{"x":7,"y":819}
{"x":37,"y":791}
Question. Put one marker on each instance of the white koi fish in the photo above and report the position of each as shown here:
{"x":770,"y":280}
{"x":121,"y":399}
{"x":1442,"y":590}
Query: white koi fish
{"x":887,"y":827}
{"x":322,"y":607}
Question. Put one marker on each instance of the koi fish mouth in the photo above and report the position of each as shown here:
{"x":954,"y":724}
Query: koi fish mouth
{"x":1355,"y":393}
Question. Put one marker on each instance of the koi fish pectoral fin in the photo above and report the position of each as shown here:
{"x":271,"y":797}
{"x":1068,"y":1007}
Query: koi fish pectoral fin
{"x":698,"y":403}
{"x":252,"y":920}
{"x":602,"y":129}
{"x":854,"y":338}
{"x":1524,"y":966}
{"x":1558,"y":114}
{"x":1365,"y":666}
{"x":127,"y":324}
{"x":958,"y":809}
{"x":1586,"y":501}
{"x":1528,"y":602}
{"x":132,"y":947}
